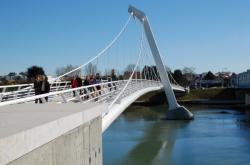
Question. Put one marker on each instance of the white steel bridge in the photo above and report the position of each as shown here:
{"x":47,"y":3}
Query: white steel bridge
{"x":117,"y":94}
{"x":67,"y":126}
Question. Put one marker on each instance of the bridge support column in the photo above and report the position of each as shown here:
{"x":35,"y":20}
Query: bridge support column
{"x":247,"y":99}
{"x":175,"y":112}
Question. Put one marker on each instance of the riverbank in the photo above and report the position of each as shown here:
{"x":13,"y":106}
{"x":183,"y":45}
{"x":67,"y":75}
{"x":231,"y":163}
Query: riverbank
{"x":214,"y":94}
{"x":210,"y":96}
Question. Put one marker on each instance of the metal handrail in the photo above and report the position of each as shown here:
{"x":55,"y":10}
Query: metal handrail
{"x":59,"y":86}
{"x":63,"y":92}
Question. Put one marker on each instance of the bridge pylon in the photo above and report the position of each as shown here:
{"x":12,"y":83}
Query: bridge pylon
{"x":175,"y":112}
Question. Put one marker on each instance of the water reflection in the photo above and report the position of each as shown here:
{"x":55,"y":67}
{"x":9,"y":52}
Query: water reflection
{"x":154,"y":142}
{"x":141,"y":137}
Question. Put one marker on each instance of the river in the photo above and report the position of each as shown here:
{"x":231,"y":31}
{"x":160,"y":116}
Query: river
{"x":141,"y":136}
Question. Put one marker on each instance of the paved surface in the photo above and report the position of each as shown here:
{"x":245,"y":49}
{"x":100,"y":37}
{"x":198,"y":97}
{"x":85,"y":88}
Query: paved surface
{"x":24,"y":127}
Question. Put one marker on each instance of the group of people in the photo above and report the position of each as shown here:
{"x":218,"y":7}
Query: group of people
{"x":90,"y":79}
{"x":77,"y":82}
{"x":41,"y":86}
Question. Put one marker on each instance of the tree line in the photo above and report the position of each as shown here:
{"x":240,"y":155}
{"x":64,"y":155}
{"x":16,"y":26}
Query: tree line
{"x":27,"y":76}
{"x":183,"y":77}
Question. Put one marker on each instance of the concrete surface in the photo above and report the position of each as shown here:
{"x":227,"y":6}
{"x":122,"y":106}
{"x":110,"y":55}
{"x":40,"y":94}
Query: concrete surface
{"x":26,"y":127}
{"x":81,"y":146}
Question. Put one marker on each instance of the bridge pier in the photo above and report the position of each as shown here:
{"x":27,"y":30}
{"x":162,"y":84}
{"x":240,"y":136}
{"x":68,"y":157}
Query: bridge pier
{"x":175,"y":112}
{"x":179,"y":113}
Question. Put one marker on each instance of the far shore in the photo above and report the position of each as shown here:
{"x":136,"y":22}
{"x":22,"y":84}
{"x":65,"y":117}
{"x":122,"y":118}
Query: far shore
{"x":212,"y":96}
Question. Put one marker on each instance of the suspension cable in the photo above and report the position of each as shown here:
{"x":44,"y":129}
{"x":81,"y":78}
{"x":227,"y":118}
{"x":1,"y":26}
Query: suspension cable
{"x":101,"y":52}
{"x":130,"y":78}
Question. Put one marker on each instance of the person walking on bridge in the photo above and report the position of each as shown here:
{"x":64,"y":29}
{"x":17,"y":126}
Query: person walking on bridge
{"x":79,"y":83}
{"x":86,"y":83}
{"x":98,"y":81}
{"x":74,"y":84}
{"x":37,"y":87}
{"x":113,"y":78}
{"x":45,"y":86}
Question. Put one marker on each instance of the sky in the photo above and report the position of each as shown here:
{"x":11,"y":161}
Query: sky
{"x":204,"y":34}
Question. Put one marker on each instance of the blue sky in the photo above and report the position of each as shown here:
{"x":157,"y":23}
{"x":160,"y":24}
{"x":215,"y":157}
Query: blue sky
{"x":204,"y":34}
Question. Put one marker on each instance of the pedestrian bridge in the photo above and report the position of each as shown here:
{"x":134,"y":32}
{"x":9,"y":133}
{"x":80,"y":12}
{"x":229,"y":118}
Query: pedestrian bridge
{"x":68,"y":128}
{"x":26,"y":126}
{"x":118,"y":95}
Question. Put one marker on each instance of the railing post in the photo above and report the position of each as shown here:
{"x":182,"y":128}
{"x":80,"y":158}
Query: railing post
{"x":89,"y":93}
{"x":78,"y":96}
{"x":1,"y":97}
{"x":43,"y":100}
{"x":18,"y":88}
{"x":63,"y":98}
{"x":65,"y":85}
{"x":4,"y":89}
{"x":16,"y":94}
{"x":29,"y":91}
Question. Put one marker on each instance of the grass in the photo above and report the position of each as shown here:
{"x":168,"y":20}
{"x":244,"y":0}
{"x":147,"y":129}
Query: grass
{"x":210,"y":94}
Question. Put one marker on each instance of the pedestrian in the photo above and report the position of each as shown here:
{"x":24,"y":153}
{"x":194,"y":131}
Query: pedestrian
{"x":86,"y":83}
{"x":113,"y":78}
{"x":92,"y":82}
{"x":113,"y":75}
{"x":74,"y":85}
{"x":109,"y":83}
{"x":91,"y":79}
{"x":98,"y":81}
{"x":37,"y":87}
{"x":79,"y":83}
{"x":45,"y":86}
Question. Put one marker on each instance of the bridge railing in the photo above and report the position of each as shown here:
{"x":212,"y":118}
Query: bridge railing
{"x":103,"y":92}
{"x":178,"y":87}
{"x":26,"y":90}
{"x":12,"y":88}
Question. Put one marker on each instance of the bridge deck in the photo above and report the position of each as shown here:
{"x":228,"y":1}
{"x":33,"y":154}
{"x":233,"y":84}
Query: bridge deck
{"x":25,"y":127}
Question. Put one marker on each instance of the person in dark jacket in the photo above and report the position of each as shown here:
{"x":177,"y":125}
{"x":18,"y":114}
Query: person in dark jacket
{"x":98,"y":81}
{"x":86,"y":83}
{"x":45,"y":87}
{"x":113,"y":75}
{"x":79,"y":83}
{"x":92,"y":82}
{"x":114,"y":78}
{"x":37,"y":87}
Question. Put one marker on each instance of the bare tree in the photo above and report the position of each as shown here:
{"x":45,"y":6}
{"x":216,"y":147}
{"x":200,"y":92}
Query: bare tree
{"x":131,"y":67}
{"x":11,"y":75}
{"x":23,"y":75}
{"x":68,"y":68}
{"x":107,"y":72}
{"x":189,"y":74}
{"x":91,"y":69}
{"x":188,"y":70}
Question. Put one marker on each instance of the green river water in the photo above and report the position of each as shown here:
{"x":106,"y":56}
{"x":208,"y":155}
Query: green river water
{"x":140,"y":136}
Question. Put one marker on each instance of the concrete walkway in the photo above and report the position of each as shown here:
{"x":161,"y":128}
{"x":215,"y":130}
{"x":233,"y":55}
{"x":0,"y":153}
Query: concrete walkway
{"x":25,"y":127}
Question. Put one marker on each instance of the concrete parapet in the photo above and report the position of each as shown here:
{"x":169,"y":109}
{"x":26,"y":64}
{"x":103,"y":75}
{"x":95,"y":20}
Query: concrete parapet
{"x":62,"y":134}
